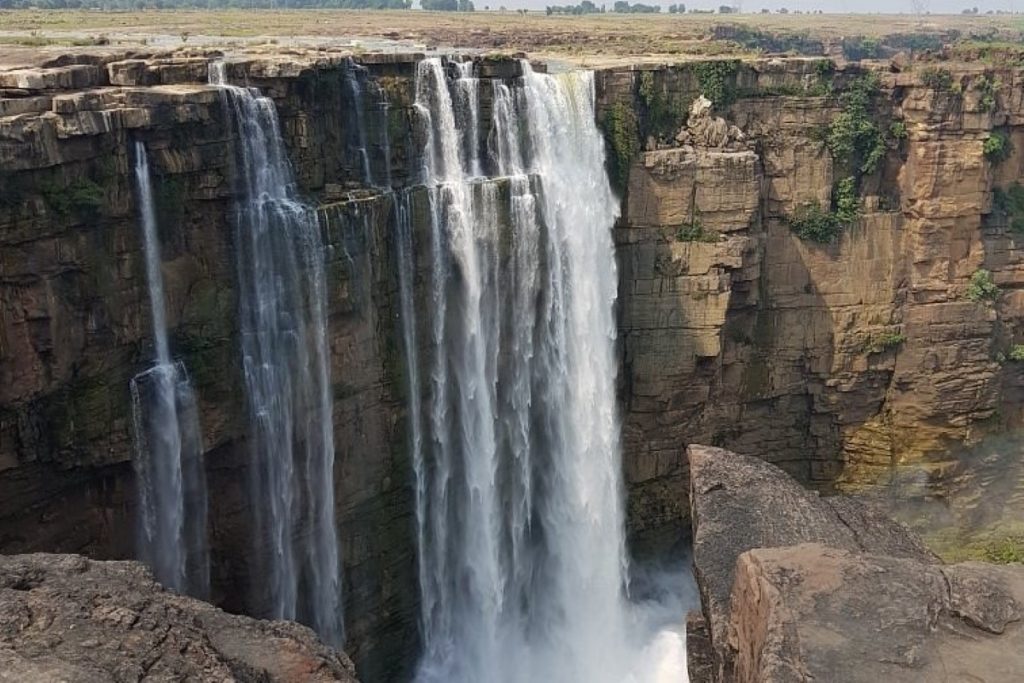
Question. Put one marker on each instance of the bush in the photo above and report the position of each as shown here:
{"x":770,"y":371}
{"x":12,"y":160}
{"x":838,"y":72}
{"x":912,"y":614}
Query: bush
{"x":811,"y":222}
{"x":997,"y":147}
{"x":718,"y":81}
{"x":695,"y":232}
{"x":846,"y":201}
{"x":853,"y":138}
{"x":82,"y":197}
{"x":988,"y":88}
{"x":1008,"y":550}
{"x":884,"y":341}
{"x":982,"y":287}
{"x":939,"y":80}
{"x":898,"y":130}
{"x":1016,"y":353}
{"x":1009,"y":203}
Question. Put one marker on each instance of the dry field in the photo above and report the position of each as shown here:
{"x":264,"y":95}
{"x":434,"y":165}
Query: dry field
{"x":593,"y":38}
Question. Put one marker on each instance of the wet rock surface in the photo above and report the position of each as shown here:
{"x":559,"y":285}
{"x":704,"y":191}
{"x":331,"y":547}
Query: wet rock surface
{"x":67,"y":618}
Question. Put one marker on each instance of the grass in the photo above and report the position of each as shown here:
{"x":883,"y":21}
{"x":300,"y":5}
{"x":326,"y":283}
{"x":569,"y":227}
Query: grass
{"x":998,"y":547}
{"x":592,"y":37}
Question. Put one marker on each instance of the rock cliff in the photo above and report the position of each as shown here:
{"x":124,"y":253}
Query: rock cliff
{"x":795,"y":587}
{"x":67,"y":618}
{"x":840,"y":359}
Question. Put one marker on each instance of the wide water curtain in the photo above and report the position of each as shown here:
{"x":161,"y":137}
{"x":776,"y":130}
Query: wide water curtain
{"x":168,"y":442}
{"x":519,"y":502}
{"x":282,"y":300}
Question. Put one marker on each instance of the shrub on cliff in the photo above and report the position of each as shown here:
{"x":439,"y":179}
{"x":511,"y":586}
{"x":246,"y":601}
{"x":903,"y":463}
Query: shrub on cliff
{"x":853,"y":138}
{"x":718,"y":81}
{"x":1009,"y":203}
{"x":812,"y":222}
{"x":982,"y":287}
{"x":997,"y":147}
{"x":939,"y":80}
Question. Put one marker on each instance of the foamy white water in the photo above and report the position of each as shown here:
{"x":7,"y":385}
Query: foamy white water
{"x":168,"y":443}
{"x":518,"y":467}
{"x":282,"y":300}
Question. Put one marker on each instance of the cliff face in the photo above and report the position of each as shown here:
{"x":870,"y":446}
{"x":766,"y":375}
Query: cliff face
{"x":840,"y":360}
{"x":76,"y":329}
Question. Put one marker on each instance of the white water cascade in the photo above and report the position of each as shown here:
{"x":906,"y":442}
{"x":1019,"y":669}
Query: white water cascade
{"x":522,"y":561}
{"x":168,"y":443}
{"x":282,"y":301}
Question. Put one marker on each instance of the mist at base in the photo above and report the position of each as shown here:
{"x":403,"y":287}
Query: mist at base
{"x":662,"y":593}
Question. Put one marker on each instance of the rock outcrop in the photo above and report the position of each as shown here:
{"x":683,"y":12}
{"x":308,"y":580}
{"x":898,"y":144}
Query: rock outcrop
{"x":811,"y":612}
{"x":839,"y":361}
{"x":67,"y":618}
{"x":798,"y":587}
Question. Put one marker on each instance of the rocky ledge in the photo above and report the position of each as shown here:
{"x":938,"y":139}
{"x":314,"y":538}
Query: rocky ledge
{"x":67,"y":618}
{"x":796,"y":587}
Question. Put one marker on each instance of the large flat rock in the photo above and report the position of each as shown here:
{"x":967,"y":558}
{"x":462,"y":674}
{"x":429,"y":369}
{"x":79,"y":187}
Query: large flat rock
{"x":739,"y":503}
{"x":814,"y":613}
{"x":69,"y":619}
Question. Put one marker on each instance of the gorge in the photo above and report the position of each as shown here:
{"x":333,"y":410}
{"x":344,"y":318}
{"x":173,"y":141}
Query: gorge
{"x":450,"y":323}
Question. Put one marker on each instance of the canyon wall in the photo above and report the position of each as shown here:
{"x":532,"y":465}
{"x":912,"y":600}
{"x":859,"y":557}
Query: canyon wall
{"x":838,"y":360}
{"x":76,"y":329}
{"x":842,"y":360}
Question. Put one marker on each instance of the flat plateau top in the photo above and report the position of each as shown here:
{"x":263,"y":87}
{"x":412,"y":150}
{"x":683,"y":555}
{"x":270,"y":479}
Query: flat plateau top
{"x":28,"y":37}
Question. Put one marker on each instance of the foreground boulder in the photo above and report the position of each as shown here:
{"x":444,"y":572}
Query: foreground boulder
{"x":813,"y":613}
{"x":67,"y":618}
{"x":797,"y":587}
{"x":739,"y":503}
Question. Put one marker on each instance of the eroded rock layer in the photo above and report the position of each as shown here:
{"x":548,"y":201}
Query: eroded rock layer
{"x":839,"y":361}
{"x":67,"y":618}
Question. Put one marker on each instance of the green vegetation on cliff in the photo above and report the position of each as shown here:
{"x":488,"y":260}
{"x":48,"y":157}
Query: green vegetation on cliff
{"x":1009,"y":204}
{"x":854,"y":138}
{"x":623,"y":138}
{"x":939,"y":80}
{"x":812,"y":222}
{"x":718,"y":81}
{"x":982,"y":287}
{"x":997,"y":147}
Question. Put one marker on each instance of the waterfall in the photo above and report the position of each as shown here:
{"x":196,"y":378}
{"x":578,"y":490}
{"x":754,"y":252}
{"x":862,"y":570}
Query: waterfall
{"x":364,"y":95}
{"x":282,"y":307}
{"x":168,"y":444}
{"x":520,"y":517}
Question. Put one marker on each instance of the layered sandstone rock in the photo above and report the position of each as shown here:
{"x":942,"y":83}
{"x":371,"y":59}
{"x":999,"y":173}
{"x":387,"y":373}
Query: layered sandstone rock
{"x":75,"y":326}
{"x":67,"y":618}
{"x":840,"y":362}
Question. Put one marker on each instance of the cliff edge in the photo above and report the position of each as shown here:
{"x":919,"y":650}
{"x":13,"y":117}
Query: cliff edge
{"x":67,"y":618}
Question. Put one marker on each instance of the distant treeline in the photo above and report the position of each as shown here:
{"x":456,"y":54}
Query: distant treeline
{"x":439,"y":5}
{"x":621,"y":7}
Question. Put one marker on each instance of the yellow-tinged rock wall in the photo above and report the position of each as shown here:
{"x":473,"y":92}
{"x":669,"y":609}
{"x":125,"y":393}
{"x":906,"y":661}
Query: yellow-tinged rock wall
{"x":840,"y":361}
